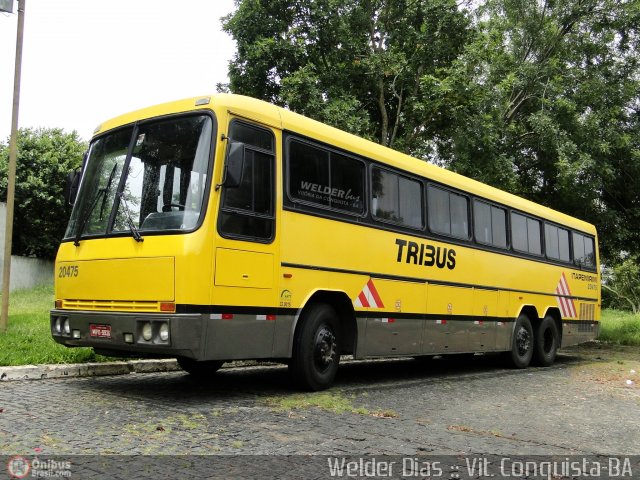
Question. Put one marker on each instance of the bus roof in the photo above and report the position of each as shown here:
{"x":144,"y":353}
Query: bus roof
{"x":284,"y":119}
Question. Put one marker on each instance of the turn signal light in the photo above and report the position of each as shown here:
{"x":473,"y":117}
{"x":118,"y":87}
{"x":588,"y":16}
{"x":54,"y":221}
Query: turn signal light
{"x":167,"y":307}
{"x":58,"y":304}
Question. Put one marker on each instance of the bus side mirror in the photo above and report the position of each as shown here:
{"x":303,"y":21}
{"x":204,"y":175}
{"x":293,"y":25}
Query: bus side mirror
{"x":234,"y":165}
{"x":71,"y":186}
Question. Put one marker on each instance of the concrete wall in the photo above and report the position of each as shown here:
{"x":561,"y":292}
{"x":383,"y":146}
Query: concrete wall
{"x":26,"y":272}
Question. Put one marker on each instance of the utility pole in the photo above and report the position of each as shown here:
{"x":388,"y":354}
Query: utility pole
{"x":11,"y":186}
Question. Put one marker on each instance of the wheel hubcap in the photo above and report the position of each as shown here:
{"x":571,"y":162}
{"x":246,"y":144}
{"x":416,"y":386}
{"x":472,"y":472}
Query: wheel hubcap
{"x":523,"y":341}
{"x":324,"y":348}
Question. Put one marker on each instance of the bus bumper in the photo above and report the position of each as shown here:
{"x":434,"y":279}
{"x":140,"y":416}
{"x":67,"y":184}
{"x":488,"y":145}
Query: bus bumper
{"x":131,"y":334}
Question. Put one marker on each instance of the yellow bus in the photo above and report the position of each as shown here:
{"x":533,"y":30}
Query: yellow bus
{"x":221,"y":228}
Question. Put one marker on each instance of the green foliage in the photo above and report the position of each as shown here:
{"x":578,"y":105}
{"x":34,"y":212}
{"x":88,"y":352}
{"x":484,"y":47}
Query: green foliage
{"x":45,"y":157}
{"x":536,"y":97}
{"x":543,"y":101}
{"x":621,"y":288}
{"x":619,"y":327}
{"x":353,"y":64}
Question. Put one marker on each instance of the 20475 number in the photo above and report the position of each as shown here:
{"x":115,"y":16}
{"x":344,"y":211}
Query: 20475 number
{"x":70,"y":271}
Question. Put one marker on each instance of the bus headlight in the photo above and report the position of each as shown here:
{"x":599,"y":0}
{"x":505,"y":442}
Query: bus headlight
{"x":164,"y":331}
{"x":58,"y":325}
{"x":147,"y":331}
{"x":67,"y":327}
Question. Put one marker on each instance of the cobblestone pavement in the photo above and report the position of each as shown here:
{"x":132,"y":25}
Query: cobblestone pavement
{"x":470,"y":405}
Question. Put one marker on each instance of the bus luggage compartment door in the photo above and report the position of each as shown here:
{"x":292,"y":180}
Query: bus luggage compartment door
{"x":241,"y":268}
{"x":243,"y":278}
{"x":447,"y":327}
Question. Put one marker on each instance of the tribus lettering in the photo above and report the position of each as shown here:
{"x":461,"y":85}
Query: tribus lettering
{"x":425,"y":254}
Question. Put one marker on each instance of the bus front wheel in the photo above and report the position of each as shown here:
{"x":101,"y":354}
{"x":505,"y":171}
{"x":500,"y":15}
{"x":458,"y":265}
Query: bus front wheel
{"x":199,"y":369}
{"x":522,"y":343}
{"x":547,"y":342}
{"x":316,"y":348}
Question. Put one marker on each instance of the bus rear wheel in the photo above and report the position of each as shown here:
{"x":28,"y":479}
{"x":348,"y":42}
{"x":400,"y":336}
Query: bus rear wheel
{"x":316,"y":348}
{"x":199,"y":369}
{"x":522,"y":343}
{"x":547,"y":342}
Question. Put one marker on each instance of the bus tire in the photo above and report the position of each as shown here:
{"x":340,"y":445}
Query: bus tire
{"x":522,"y":343}
{"x":316,"y":348}
{"x":199,"y":369}
{"x":546,"y":342}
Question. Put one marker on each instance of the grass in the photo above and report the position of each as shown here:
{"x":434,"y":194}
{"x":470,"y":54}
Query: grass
{"x":334,"y":402}
{"x":619,"y":327}
{"x":28,"y":337}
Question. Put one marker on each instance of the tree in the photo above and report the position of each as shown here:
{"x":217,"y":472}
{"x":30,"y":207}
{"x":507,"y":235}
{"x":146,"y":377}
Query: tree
{"x":353,"y":64}
{"x":622,"y":286}
{"x":45,"y":157}
{"x":544,"y":102}
{"x":537,"y":97}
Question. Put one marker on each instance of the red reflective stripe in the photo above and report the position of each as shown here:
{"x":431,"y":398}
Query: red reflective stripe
{"x":570,"y":303}
{"x":363,"y":299}
{"x":374,"y":294}
{"x":227,"y":316}
{"x":271,"y":317}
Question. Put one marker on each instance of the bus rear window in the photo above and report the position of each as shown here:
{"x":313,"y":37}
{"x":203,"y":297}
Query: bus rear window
{"x":583,"y":250}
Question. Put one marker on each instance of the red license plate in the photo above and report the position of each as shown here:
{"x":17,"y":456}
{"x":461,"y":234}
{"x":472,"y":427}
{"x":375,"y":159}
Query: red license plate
{"x":100,"y":331}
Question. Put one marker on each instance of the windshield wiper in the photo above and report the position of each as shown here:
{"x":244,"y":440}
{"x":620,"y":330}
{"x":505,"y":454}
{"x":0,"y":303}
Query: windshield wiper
{"x":130,"y":224}
{"x":85,"y":217}
{"x":107,"y":188}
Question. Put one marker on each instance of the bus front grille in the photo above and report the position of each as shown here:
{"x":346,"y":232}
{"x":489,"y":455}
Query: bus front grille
{"x":112,"y":305}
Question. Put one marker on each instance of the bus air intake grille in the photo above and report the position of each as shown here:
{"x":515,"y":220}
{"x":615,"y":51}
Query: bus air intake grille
{"x":111,"y":305}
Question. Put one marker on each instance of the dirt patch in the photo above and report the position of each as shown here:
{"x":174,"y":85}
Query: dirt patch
{"x":611,"y":368}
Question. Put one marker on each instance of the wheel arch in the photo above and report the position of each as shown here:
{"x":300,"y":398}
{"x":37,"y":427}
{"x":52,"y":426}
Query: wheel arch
{"x":531,"y":312}
{"x":341,"y":302}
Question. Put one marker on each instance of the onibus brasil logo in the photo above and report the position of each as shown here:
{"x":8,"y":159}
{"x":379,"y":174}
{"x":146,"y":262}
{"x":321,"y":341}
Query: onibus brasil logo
{"x":20,"y":467}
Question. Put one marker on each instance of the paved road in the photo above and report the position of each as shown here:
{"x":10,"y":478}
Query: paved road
{"x":467,"y":406}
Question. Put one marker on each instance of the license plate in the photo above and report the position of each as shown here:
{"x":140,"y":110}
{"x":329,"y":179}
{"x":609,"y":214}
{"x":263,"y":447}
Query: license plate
{"x":100,"y":331}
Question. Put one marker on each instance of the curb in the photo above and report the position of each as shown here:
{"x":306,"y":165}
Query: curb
{"x":41,"y":372}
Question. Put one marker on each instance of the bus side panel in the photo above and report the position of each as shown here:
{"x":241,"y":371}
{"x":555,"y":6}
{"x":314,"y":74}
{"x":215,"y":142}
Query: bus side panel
{"x":239,"y":336}
{"x":398,"y":330}
{"x":504,"y":323}
{"x":482,"y":333}
{"x":584,"y":327}
{"x":450,"y":317}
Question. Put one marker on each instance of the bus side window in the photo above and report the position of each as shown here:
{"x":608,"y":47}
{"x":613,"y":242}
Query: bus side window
{"x":526,"y":234}
{"x":396,"y":199}
{"x":448,"y":212}
{"x":490,"y":224}
{"x":247,"y":211}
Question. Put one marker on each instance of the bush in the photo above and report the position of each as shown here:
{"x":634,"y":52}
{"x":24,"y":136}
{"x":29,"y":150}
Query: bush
{"x":45,"y":157}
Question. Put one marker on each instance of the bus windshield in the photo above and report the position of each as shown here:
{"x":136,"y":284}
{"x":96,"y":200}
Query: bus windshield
{"x":165,"y":166}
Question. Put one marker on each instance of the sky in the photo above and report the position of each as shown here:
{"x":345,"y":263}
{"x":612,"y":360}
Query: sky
{"x":85,"y":61}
